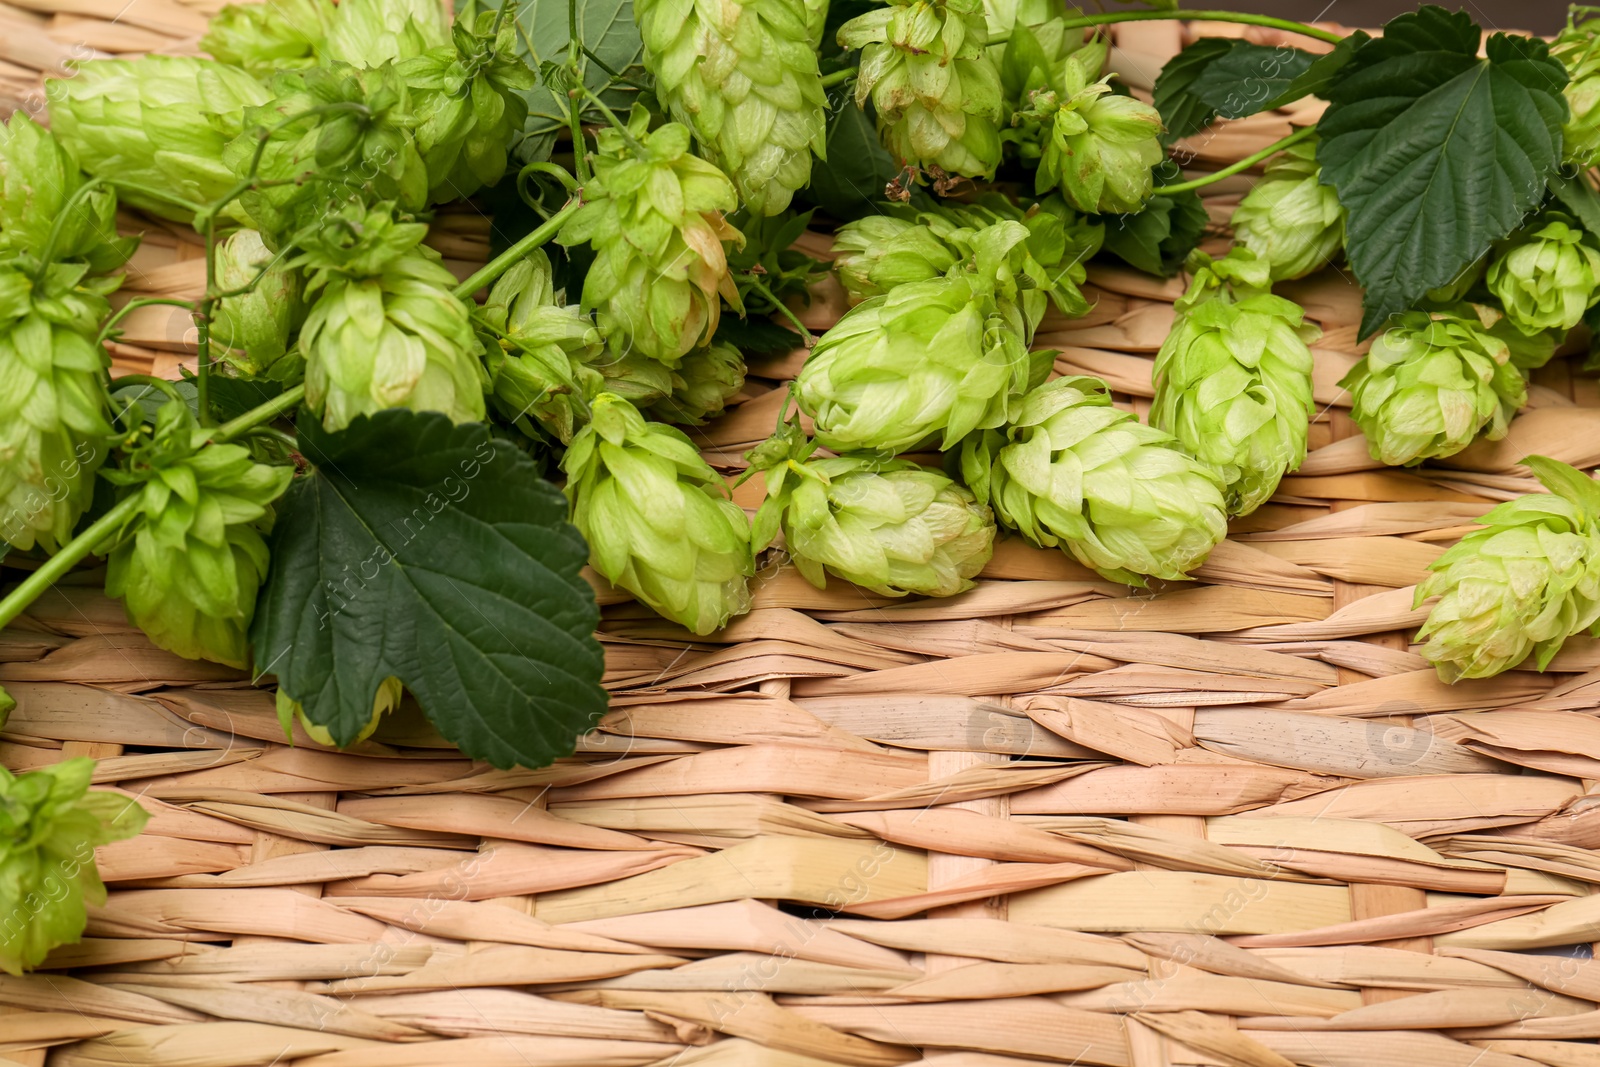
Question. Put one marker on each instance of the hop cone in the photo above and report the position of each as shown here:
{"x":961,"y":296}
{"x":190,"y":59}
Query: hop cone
{"x":159,"y":122}
{"x":386,"y":700}
{"x":742,"y":74}
{"x":886,"y":525}
{"x":255,"y":325}
{"x":468,"y":96}
{"x":657,"y":518}
{"x":1291,"y":220}
{"x":1431,"y":384}
{"x":1578,"y":48}
{"x":50,"y":824}
{"x":702,"y":385}
{"x":52,"y":406}
{"x":369,"y":33}
{"x":539,"y":351}
{"x":273,"y":35}
{"x":1096,"y":147}
{"x":1547,"y":276}
{"x":926,"y":69}
{"x":654,"y":217}
{"x":1120,"y":496}
{"x":930,"y":360}
{"x":189,"y":573}
{"x":1233,"y":379}
{"x":38,"y":180}
{"x":1524,"y":584}
{"x":385,"y":331}
{"x":631,"y":375}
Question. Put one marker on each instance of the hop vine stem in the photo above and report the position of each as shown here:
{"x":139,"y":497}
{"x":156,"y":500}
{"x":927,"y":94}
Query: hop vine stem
{"x":1234,"y":168}
{"x":1270,"y":21}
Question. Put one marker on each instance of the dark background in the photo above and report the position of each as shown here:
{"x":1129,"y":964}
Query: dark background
{"x":1535,"y":16}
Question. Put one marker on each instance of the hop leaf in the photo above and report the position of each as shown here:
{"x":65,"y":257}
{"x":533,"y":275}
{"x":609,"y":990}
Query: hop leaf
{"x":1432,"y":383}
{"x":188,"y":568}
{"x":1233,"y":379}
{"x":653,"y":214}
{"x":1521,"y":585}
{"x":1290,"y":219}
{"x":657,"y":518}
{"x":270,"y":36}
{"x":50,"y":823}
{"x":256,"y":324}
{"x":1547,"y":276}
{"x":160,"y":122}
{"x":743,"y":76}
{"x":1072,"y":471}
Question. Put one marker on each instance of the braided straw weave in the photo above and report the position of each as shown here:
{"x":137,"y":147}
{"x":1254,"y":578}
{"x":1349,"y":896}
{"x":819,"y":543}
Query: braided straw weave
{"x":1230,"y":822}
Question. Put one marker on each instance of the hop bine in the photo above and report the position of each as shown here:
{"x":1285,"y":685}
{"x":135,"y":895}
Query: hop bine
{"x":658,"y":519}
{"x":743,"y":76}
{"x":255,"y":325}
{"x":1434,"y":382}
{"x":927,"y":70}
{"x":1578,"y":49}
{"x":1547,"y":276}
{"x":1233,"y":378}
{"x":160,"y":122}
{"x":887,"y":525}
{"x":653,"y":214}
{"x":1290,"y":219}
{"x":1074,"y":472}
{"x":931,"y":360}
{"x":385,"y":330}
{"x":189,"y":567}
{"x":1521,"y":585}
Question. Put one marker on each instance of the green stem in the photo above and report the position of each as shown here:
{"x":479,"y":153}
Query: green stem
{"x":1203,"y":16}
{"x":159,"y":384}
{"x":256,"y":416}
{"x":132,"y":306}
{"x":75,"y":550}
{"x":838,"y":77}
{"x":73,"y":203}
{"x":156,"y":194}
{"x":783,"y":309}
{"x":611,"y":117}
{"x":1234,"y":168}
{"x":498,"y":266}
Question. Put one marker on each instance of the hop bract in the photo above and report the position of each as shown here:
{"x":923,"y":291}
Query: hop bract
{"x":189,"y":568}
{"x":369,"y":33}
{"x":1233,"y":379}
{"x":743,"y":76}
{"x":1578,"y":48}
{"x":926,"y":68}
{"x":1431,"y":384}
{"x":657,"y":518}
{"x":159,"y":122}
{"x":653,"y":214}
{"x":1290,"y":219}
{"x":931,"y":360}
{"x":702,"y":385}
{"x":1547,"y":276}
{"x":1122,"y":497}
{"x":267,"y":37}
{"x":50,"y":825}
{"x":1521,"y":585}
{"x":1097,"y":148}
{"x":256,"y":324}
{"x":385,"y":330}
{"x":886,"y":525}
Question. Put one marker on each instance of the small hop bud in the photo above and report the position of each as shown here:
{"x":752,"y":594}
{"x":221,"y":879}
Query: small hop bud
{"x":256,"y":324}
{"x":1290,"y":219}
{"x":702,"y":385}
{"x":1097,"y":148}
{"x":386,"y":700}
{"x":1547,"y":276}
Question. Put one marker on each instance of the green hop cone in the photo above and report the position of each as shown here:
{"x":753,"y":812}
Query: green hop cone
{"x":742,"y":74}
{"x":468,"y":95}
{"x":890,"y":526}
{"x":1578,"y":49}
{"x":1547,"y":276}
{"x":255,"y":325}
{"x":50,"y":824}
{"x":160,"y":122}
{"x":369,"y":33}
{"x":189,"y":568}
{"x":385,"y":330}
{"x":927,"y":70}
{"x":266,"y":37}
{"x":654,"y":216}
{"x":635,"y":377}
{"x":930,"y":360}
{"x":39,"y":179}
{"x":1096,"y":147}
{"x":702,"y":385}
{"x":539,"y":351}
{"x":1521,"y":585}
{"x":1290,"y":219}
{"x":1233,"y":379}
{"x":1432,"y":383}
{"x":658,"y":519}
{"x":1073,"y":471}
{"x":874,"y":254}
{"x":52,"y":407}
{"x":387,"y":699}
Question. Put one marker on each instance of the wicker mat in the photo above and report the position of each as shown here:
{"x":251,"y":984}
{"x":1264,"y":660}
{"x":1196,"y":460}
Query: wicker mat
{"x":1230,"y":822}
